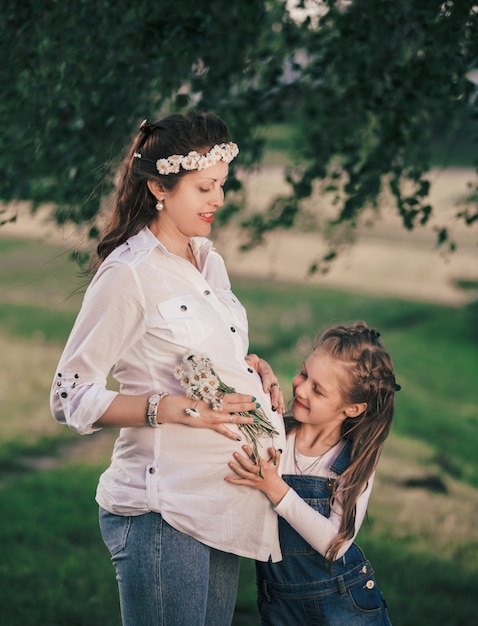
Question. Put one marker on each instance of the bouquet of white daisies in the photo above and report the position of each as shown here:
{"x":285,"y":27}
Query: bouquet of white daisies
{"x":197,"y":376}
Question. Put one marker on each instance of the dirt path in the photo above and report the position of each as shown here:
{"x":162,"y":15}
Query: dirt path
{"x":385,"y":259}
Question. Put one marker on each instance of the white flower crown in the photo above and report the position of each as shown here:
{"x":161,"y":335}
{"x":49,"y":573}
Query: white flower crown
{"x":195,"y":161}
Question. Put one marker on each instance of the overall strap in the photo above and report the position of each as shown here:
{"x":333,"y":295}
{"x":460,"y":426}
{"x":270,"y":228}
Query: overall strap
{"x":343,"y":459}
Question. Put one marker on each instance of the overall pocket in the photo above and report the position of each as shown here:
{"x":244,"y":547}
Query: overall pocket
{"x":365,"y":595}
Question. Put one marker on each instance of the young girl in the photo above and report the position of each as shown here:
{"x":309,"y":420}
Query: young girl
{"x":342,"y":412}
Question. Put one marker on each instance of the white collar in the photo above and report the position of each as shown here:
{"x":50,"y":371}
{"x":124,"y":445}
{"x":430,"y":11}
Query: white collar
{"x":144,"y":241}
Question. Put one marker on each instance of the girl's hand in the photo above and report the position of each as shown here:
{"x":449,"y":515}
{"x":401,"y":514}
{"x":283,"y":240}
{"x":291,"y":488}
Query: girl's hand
{"x":247,"y":468}
{"x":198,"y":414}
{"x":270,"y":384}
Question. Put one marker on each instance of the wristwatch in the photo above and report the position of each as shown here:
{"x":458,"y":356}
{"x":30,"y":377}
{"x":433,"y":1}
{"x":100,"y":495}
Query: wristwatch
{"x":153,"y":403}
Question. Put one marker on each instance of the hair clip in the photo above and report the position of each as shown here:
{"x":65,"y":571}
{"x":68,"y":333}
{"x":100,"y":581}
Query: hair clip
{"x":396,"y":387}
{"x":145,"y":127}
{"x":374,"y":333}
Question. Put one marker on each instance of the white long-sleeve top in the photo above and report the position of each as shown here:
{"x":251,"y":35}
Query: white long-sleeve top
{"x":319,"y":531}
{"x":143,"y":311}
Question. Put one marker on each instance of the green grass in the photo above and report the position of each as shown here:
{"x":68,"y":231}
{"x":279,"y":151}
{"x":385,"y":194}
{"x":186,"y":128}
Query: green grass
{"x":55,"y":570}
{"x":36,"y":321}
{"x":433,"y":596}
{"x":40,"y":290}
{"x":39,"y":270}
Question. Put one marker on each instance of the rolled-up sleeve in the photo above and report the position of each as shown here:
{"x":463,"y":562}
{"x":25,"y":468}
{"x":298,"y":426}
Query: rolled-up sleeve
{"x":110,"y":321}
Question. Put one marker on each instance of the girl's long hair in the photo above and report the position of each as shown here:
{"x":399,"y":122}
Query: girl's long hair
{"x":134,"y":206}
{"x":367,"y":377}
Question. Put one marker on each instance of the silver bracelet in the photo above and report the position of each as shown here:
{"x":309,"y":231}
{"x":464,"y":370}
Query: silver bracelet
{"x":153,"y":403}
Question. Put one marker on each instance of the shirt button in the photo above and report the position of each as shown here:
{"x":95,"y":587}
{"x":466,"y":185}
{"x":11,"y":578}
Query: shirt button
{"x":207,"y":292}
{"x":184,"y":307}
{"x":250,"y":370}
{"x":370,"y":584}
{"x":151,"y":470}
{"x":233,"y":330}
{"x":63,"y":394}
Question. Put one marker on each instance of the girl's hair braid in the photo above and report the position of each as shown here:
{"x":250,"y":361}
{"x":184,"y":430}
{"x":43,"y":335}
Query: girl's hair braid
{"x":368,"y":378}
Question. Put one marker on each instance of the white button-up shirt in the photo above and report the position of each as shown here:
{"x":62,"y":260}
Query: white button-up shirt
{"x":143,"y":311}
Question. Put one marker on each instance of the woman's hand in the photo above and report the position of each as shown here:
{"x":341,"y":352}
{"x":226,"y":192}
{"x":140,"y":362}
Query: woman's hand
{"x":247,"y":468}
{"x":198,"y":414}
{"x":270,"y":384}
{"x":130,"y":411}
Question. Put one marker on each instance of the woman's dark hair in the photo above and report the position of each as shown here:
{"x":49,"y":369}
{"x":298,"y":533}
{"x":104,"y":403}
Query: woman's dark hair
{"x":134,"y":204}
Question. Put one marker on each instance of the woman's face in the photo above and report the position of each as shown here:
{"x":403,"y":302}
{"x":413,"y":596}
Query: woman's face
{"x":190,"y":208}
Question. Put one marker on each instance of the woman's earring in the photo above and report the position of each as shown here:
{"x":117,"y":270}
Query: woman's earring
{"x":159,"y":205}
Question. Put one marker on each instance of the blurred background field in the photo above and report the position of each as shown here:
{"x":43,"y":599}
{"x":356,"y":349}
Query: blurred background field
{"x":363,"y":93}
{"x":421,"y":535}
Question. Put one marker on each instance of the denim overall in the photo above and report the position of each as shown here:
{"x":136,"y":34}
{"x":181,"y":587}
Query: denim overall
{"x":303,"y":589}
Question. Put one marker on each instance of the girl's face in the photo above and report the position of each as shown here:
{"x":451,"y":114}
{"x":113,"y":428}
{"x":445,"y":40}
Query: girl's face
{"x":189,"y":209}
{"x":317,"y":392}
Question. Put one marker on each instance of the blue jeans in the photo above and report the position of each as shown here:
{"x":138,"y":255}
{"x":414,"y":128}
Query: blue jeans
{"x":167,"y":578}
